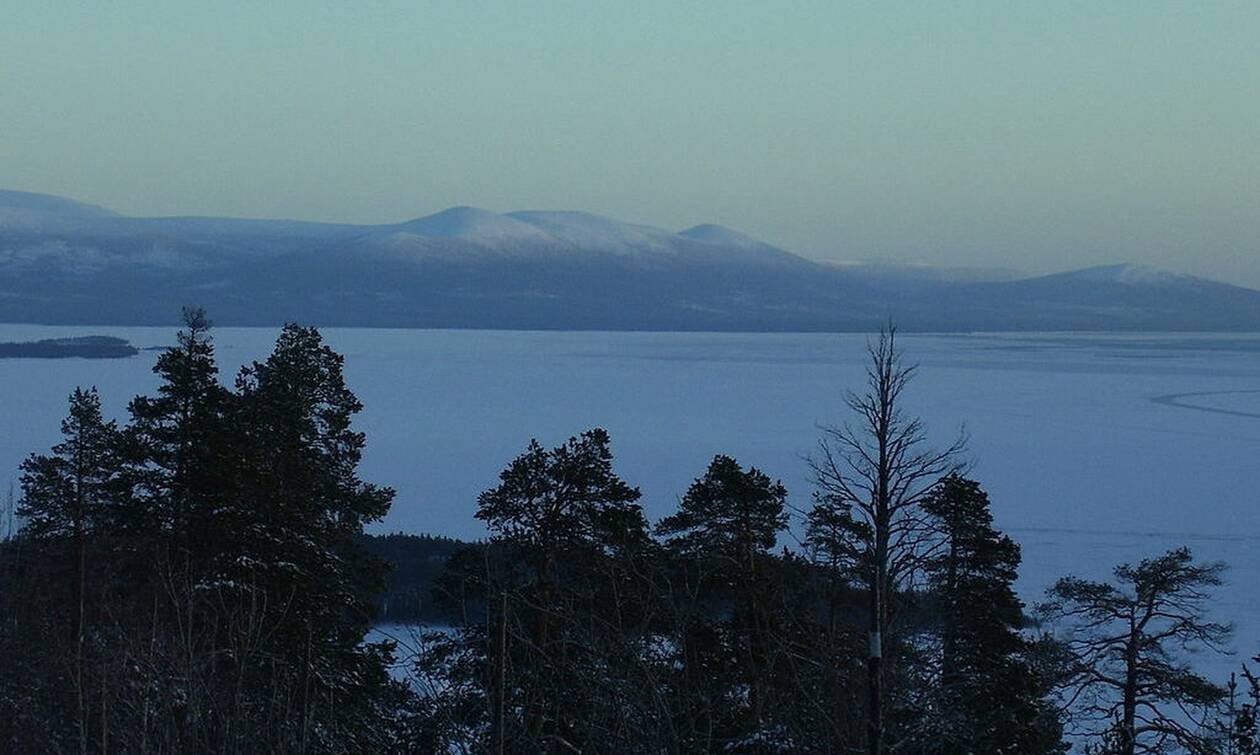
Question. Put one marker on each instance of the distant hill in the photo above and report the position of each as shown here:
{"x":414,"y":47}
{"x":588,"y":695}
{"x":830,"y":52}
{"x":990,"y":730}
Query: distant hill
{"x":16,"y":202}
{"x":64,"y":262}
{"x":416,"y":564}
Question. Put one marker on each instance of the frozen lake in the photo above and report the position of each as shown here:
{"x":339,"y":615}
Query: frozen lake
{"x":1094,"y":449}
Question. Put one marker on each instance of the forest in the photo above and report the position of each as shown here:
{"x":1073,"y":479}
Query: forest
{"x":197,"y":579}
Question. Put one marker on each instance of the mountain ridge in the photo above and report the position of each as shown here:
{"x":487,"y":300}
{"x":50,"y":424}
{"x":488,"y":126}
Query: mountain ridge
{"x":63,"y":261}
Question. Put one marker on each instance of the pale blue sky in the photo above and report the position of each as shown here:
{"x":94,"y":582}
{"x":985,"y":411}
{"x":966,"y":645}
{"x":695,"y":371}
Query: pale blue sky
{"x":1037,"y":135}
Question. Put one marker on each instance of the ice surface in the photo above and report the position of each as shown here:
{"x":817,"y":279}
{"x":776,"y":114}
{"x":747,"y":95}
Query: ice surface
{"x":1085,"y":468}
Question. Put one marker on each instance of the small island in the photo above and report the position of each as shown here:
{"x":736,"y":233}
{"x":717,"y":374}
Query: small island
{"x":86,"y":347}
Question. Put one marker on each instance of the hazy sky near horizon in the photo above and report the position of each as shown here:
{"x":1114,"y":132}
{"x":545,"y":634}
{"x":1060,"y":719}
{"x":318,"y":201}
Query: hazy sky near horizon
{"x":1034,"y":135}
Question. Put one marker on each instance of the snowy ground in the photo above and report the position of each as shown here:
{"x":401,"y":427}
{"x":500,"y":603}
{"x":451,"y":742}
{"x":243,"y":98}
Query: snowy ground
{"x":410,"y":640}
{"x":1094,"y":449}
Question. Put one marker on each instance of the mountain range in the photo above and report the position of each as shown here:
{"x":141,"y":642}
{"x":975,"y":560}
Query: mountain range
{"x":64,"y":262}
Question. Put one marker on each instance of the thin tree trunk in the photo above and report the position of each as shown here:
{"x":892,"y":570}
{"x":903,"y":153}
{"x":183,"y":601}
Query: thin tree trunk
{"x":80,"y":546}
{"x":875,"y":663}
{"x":104,"y":713}
{"x":500,"y":696}
{"x":874,"y":670}
{"x":1128,"y":734}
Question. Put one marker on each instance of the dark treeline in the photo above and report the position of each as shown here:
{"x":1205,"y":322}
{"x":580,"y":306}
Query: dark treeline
{"x":190,"y":581}
{"x":84,"y":347}
{"x":198,"y":580}
{"x":416,"y":564}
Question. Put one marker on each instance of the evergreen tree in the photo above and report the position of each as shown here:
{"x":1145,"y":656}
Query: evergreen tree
{"x":299,"y":466}
{"x":211,"y":551}
{"x":66,"y":496}
{"x":1125,"y":674}
{"x":176,"y":441}
{"x":290,"y":534}
{"x":834,"y":540}
{"x":990,"y":699}
{"x":1243,"y":724}
{"x":728,"y":514}
{"x":568,"y":497}
{"x":180,"y":474}
{"x":563,"y":597}
{"x":726,"y":524}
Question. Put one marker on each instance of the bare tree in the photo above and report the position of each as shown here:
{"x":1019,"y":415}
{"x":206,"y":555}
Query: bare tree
{"x":1125,"y":678}
{"x":881,"y":469}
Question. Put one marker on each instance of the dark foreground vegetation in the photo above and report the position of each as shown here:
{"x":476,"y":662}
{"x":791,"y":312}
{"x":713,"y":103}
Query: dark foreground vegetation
{"x":416,"y":564}
{"x":198,"y":580}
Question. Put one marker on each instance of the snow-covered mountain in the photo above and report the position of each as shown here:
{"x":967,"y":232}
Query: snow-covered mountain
{"x":66,"y":262}
{"x":474,"y":224}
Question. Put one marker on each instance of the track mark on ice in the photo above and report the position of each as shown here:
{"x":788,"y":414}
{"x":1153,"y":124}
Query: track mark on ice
{"x":1178,"y":400}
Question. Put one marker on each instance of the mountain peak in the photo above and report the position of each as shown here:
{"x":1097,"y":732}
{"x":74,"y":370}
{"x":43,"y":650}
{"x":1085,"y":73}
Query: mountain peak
{"x":472,"y":224}
{"x":471,"y":267}
{"x":717,"y":234}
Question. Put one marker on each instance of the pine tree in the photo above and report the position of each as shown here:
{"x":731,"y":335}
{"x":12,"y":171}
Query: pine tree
{"x":1123,"y":638}
{"x":227,"y":596}
{"x":1243,"y":724}
{"x":568,"y":497}
{"x":176,"y":438}
{"x":728,"y":514}
{"x":65,"y":498}
{"x":259,"y":592}
{"x":68,"y":494}
{"x":290,"y":534}
{"x":300,"y":458}
{"x":177,"y":464}
{"x":561,"y":596}
{"x":727,"y":522}
{"x":990,"y":699}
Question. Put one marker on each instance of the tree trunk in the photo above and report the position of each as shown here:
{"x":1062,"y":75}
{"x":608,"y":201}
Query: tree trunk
{"x":1128,"y":731}
{"x":874,"y":667}
{"x":80,"y":545}
{"x":501,"y":678}
{"x":875,"y":671}
{"x":104,"y":713}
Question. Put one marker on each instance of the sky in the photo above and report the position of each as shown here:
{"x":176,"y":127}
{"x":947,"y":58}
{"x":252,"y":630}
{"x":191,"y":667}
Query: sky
{"x":1039,"y":136}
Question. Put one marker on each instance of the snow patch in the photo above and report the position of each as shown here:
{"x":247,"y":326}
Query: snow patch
{"x":474,"y":224}
{"x":1129,"y":274}
{"x":588,"y":231}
